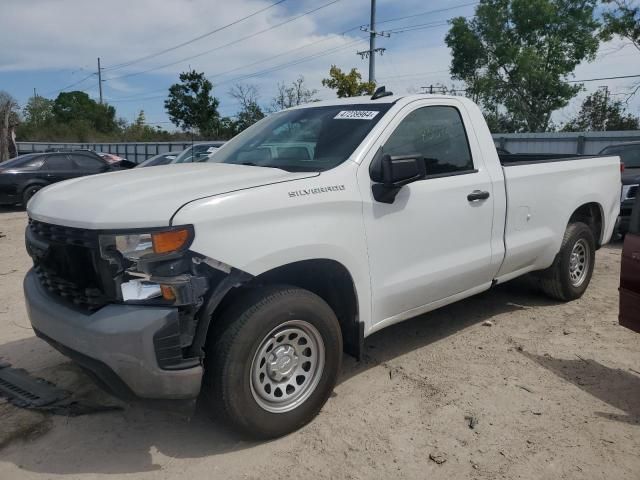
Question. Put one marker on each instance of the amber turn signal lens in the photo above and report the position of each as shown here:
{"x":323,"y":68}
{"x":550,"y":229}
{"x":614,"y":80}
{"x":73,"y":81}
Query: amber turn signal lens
{"x":171,"y":241}
{"x":167,"y":292}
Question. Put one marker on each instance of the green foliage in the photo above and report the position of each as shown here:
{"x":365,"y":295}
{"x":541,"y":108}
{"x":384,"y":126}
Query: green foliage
{"x":348,"y":84}
{"x":73,"y":117}
{"x":622,"y":20}
{"x":518,"y":54}
{"x":599,"y":113}
{"x":38,"y":111}
{"x":79,"y":108}
{"x":191,"y":106}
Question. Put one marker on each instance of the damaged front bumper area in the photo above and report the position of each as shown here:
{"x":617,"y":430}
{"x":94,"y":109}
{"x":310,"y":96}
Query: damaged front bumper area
{"x":139,"y":326}
{"x":117,"y":343}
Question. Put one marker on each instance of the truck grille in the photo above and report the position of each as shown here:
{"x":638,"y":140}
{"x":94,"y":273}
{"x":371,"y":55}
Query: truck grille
{"x":68,"y":264}
{"x":64,"y":235}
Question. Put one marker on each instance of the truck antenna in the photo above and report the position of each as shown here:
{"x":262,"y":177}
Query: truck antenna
{"x":380,"y":92}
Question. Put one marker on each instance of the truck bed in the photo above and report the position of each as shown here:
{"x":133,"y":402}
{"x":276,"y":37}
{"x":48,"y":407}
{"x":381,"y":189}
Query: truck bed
{"x":528,"y":158}
{"x":542,"y":194}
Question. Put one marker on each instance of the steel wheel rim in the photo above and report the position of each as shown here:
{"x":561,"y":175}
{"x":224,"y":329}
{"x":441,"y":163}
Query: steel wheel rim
{"x":287,"y":366}
{"x":579,"y":263}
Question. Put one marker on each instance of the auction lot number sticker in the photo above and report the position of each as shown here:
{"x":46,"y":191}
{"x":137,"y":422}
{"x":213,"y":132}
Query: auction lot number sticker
{"x":356,"y":115}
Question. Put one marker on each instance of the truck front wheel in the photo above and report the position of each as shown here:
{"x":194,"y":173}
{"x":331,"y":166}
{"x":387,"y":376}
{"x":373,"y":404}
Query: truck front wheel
{"x":569,"y":276}
{"x":273,"y":360}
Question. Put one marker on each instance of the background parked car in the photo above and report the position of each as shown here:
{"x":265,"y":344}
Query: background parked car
{"x":199,"y":152}
{"x":22,"y":177}
{"x":629,"y":153}
{"x":160,"y":159}
{"x":630,"y":274}
{"x":110,"y":157}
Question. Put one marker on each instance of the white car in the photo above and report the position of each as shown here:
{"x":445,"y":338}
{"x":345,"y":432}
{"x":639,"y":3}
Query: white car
{"x":245,"y":278}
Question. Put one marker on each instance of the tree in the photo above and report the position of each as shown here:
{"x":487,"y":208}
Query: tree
{"x":293,"y":95}
{"x":518,"y":54}
{"x":250,"y":112}
{"x":38,"y":111}
{"x":599,"y":113}
{"x":77,"y":108}
{"x":622,"y":21}
{"x":191,"y":106}
{"x":8,"y":119}
{"x":141,"y":120}
{"x":348,"y":84}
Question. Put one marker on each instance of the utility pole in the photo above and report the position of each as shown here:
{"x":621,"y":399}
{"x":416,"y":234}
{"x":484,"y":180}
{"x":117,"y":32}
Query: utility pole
{"x":371,"y":53}
{"x":35,"y":94}
{"x":604,"y":107}
{"x":100,"y":80}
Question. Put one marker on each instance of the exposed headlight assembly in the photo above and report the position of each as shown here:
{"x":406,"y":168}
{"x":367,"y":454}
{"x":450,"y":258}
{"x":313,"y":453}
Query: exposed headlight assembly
{"x":136,"y":246}
{"x":133,"y":251}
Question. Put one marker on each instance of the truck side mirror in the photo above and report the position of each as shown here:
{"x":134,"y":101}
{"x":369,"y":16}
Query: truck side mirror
{"x":391,"y":172}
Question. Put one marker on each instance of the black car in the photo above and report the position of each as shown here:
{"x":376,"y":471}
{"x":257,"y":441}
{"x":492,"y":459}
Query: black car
{"x":629,"y":153}
{"x":22,"y":177}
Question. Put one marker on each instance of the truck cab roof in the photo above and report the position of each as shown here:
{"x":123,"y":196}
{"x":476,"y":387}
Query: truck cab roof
{"x":366,"y":100}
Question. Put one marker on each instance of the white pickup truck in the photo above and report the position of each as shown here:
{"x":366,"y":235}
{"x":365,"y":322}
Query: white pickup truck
{"x":244,"y":279}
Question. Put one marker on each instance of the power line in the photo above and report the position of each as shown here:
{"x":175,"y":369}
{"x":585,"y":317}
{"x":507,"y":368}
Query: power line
{"x":255,"y":74}
{"x":309,"y":12}
{"x":420,"y":26}
{"x":53,"y":92}
{"x":310,"y":44}
{"x":195,"y":39}
{"x":294,"y":62}
{"x":603,"y":78}
{"x":241,"y":67}
{"x":429,"y":12}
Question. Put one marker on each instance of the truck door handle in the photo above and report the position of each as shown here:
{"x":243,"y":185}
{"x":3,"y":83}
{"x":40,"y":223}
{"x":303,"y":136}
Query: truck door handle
{"x":477,"y":195}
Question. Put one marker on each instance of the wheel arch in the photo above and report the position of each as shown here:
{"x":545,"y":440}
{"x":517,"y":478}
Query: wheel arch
{"x":35,"y":182}
{"x":592,"y":214}
{"x":329,"y":279}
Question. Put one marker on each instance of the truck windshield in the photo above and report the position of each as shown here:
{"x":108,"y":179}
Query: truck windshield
{"x":312,"y":139}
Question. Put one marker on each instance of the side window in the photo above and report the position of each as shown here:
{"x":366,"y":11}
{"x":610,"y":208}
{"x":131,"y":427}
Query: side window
{"x":57,"y":162}
{"x":436,"y":133}
{"x":85,"y":162}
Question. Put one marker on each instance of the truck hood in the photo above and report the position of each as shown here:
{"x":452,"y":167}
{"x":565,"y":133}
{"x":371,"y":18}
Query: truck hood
{"x":145,"y":197}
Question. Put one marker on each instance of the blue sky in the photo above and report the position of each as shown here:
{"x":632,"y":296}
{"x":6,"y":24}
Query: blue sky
{"x":64,"y":37}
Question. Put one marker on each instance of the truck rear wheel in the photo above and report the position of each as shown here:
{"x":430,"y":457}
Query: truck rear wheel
{"x":569,"y":276}
{"x":274,"y":361}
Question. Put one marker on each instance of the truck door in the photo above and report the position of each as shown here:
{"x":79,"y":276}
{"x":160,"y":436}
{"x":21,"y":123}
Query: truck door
{"x":434,"y":240}
{"x":630,"y":274}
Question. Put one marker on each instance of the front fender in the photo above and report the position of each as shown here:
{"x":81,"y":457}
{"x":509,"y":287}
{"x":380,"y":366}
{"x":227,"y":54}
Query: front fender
{"x":259,"y":229}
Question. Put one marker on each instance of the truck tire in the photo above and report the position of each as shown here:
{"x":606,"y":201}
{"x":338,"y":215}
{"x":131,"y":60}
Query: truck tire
{"x":569,"y":276}
{"x":273,"y":361}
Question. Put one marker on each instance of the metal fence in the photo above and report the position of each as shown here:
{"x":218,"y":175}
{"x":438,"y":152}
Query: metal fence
{"x":584,"y":143}
{"x":587,"y":143}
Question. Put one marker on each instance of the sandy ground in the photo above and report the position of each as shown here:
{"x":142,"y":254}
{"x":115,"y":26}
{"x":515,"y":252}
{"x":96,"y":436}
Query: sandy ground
{"x":554,"y":389}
